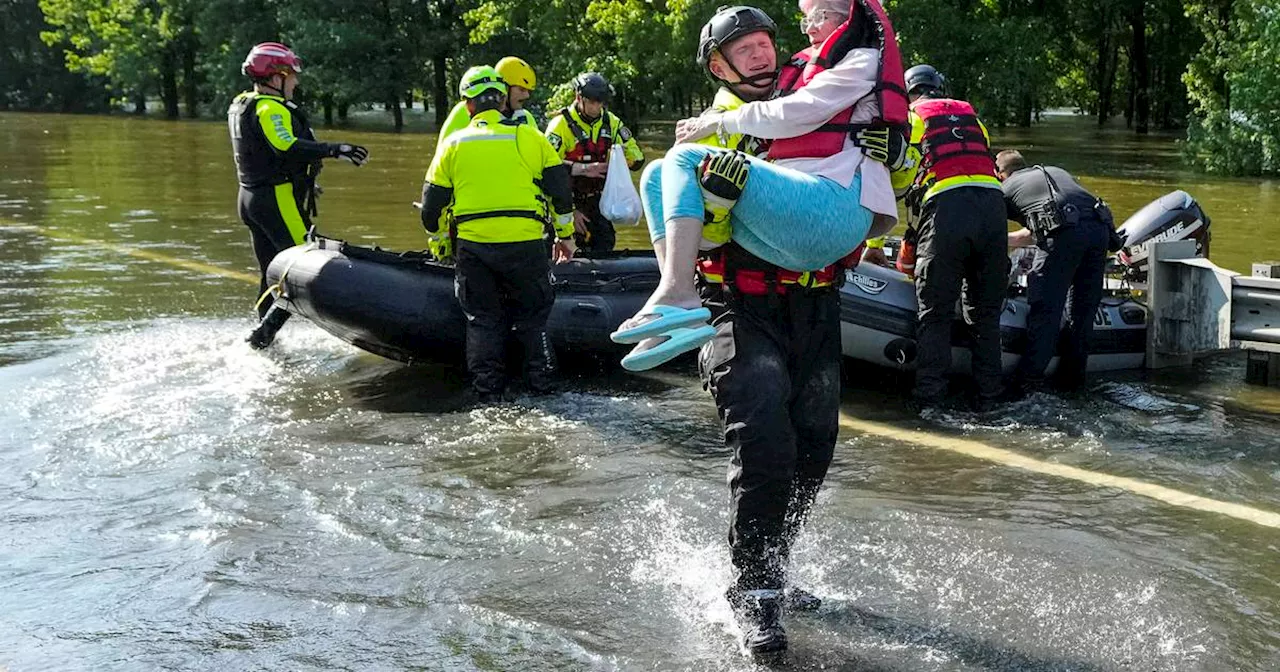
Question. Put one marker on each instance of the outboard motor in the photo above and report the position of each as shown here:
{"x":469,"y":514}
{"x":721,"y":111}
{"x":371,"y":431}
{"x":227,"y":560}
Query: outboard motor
{"x":1174,"y":216}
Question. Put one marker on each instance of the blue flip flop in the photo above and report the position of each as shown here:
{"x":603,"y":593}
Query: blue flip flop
{"x":677,"y":342}
{"x":668,"y":318}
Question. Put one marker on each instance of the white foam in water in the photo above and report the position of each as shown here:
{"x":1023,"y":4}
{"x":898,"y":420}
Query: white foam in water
{"x":689,"y":564}
{"x":141,"y":394}
{"x":959,"y":591}
{"x":915,"y":590}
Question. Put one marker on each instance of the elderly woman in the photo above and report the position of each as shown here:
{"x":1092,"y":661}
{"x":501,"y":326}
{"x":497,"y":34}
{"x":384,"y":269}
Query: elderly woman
{"x":811,"y":205}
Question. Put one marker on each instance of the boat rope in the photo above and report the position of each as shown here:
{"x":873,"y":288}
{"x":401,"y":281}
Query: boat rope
{"x":278,"y":288}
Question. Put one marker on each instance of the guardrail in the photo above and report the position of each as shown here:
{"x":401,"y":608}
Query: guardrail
{"x":1198,"y":308}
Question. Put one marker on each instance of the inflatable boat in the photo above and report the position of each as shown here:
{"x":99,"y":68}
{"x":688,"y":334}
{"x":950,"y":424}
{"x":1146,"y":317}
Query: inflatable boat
{"x":878,"y":305}
{"x":401,"y":305}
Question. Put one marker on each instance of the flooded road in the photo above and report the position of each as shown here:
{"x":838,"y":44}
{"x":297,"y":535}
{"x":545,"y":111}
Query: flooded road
{"x":171,"y":499}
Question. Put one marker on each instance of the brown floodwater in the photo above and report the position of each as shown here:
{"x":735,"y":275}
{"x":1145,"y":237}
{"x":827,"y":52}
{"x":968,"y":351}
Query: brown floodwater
{"x":171,"y":499}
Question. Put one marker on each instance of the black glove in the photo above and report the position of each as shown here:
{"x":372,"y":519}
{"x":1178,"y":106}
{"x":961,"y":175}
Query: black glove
{"x":724,"y":175}
{"x":884,"y":144}
{"x":353,"y":153}
{"x":1115,"y":241}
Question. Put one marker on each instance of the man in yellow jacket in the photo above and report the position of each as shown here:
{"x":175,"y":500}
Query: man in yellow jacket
{"x":583,"y":134}
{"x":520,"y":80}
{"x":496,"y":177}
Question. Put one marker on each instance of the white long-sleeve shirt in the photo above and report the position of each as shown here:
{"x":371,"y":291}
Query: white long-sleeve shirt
{"x":829,"y":92}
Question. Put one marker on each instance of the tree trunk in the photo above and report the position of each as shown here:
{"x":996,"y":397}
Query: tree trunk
{"x":1025,"y":110}
{"x":1107,"y":96}
{"x":140,"y":101}
{"x":326,"y":102}
{"x":169,"y":81}
{"x":1100,"y":79}
{"x":397,"y":113}
{"x":440,"y":63}
{"x":190,"y":86}
{"x":1128,"y":106}
{"x":1141,"y":83}
{"x":342,"y":111}
{"x":408,"y":100}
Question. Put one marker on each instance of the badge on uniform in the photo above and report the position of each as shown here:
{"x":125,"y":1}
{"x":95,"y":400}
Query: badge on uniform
{"x":624,"y":134}
{"x":556,"y":140}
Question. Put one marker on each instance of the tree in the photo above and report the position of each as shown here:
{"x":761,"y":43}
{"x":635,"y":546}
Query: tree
{"x":33,"y":74}
{"x":133,"y":43}
{"x":1233,"y":83}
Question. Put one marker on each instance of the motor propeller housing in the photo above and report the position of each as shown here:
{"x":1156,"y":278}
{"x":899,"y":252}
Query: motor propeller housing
{"x":1174,"y":216}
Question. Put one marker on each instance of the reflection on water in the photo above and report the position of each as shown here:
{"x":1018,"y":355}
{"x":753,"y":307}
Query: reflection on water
{"x":175,"y":500}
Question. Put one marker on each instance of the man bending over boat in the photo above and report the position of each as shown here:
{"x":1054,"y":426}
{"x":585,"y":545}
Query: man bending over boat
{"x":495,"y":177}
{"x":773,"y":361}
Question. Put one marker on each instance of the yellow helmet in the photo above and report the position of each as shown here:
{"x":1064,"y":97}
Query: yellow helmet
{"x":515,"y":72}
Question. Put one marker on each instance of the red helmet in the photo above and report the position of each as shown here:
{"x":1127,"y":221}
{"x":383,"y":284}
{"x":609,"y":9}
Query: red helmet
{"x":269,"y":58}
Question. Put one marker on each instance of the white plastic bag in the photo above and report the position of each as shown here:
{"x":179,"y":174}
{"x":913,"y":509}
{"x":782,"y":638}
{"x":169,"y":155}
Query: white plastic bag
{"x":620,"y":202}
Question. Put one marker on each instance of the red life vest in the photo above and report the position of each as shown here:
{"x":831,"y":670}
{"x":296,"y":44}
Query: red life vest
{"x":867,"y":27}
{"x":953,"y":142}
{"x":586,"y":150}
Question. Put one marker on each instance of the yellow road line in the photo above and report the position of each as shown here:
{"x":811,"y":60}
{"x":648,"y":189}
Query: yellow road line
{"x":1009,"y":458}
{"x":967,"y":447}
{"x":198,"y":266}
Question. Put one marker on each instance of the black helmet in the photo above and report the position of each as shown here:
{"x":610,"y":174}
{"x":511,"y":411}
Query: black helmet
{"x":593,"y":86}
{"x":924,"y":79}
{"x":728,"y":24}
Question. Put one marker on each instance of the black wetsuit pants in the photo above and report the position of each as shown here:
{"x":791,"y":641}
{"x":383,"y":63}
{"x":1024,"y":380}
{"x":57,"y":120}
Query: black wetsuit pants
{"x":774,"y":371}
{"x":505,"y":288}
{"x":265,"y":214}
{"x":963,"y":245}
{"x":603,"y":237}
{"x":1072,"y":261}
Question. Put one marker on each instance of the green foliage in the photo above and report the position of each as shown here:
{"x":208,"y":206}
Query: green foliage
{"x":1233,"y":83}
{"x":118,"y":39}
{"x":1208,"y":64}
{"x":33,"y":74}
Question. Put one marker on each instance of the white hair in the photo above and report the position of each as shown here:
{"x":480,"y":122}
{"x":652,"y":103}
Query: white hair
{"x":840,"y":7}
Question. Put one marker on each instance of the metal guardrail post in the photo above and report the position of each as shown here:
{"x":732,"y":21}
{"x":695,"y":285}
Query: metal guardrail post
{"x":1190,"y":303}
{"x":1256,"y":323}
{"x":1198,"y":308}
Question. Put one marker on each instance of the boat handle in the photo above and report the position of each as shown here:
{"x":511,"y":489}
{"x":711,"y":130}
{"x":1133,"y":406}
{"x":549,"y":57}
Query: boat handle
{"x":587,"y":308}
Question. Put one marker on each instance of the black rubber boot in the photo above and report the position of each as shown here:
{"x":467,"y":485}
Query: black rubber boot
{"x":799,"y":599}
{"x":759,"y":615}
{"x":540,"y":361}
{"x":265,"y":333}
{"x":489,"y":398}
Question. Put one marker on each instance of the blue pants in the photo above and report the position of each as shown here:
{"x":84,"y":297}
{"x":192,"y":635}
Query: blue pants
{"x":790,"y":219}
{"x":1072,"y":260}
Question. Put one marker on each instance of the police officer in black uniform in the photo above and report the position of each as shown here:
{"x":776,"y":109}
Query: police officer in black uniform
{"x":277,"y":160}
{"x":1072,"y":231}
